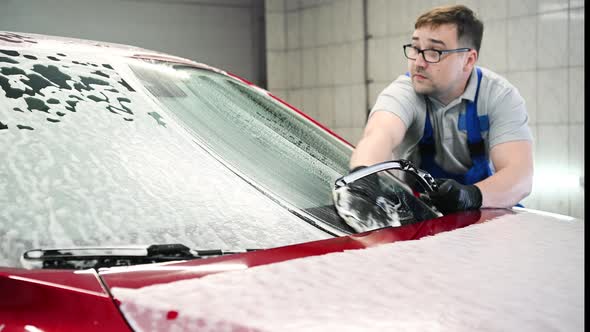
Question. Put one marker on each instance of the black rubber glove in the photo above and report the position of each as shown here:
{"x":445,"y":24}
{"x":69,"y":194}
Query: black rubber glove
{"x":364,"y":206}
{"x":453,"y":196}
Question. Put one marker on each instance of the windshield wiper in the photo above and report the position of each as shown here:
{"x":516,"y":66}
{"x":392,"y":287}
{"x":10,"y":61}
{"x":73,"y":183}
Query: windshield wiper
{"x":97,"y":257}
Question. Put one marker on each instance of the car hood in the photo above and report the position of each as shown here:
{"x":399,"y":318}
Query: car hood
{"x":519,"y":270}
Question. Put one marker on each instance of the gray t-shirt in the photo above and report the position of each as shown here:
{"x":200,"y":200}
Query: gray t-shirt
{"x":498,"y":99}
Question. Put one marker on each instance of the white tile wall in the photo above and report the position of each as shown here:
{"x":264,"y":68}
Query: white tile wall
{"x":355,"y":23}
{"x":417,"y":8}
{"x":308,"y":3}
{"x":308,"y":28}
{"x":551,"y":164}
{"x":351,"y":135}
{"x":358,"y":106}
{"x":357,"y":62}
{"x":294,"y":69}
{"x":374,"y":91}
{"x":544,"y":6}
{"x":522,"y":50}
{"x":576,"y":37}
{"x":526,"y":83}
{"x":326,"y":68}
{"x":342,"y":61}
{"x":280,"y":93}
{"x":538,"y":45}
{"x":552,"y":94}
{"x":291,"y":5}
{"x":576,"y":149}
{"x":295,"y":98}
{"x":576,"y":3}
{"x":493,"y":52}
{"x":399,"y":63}
{"x":293,"y":32}
{"x":522,"y":8}
{"x":324,"y":25}
{"x":576,"y":94}
{"x":378,"y":59}
{"x":493,"y":10}
{"x":398,"y":20}
{"x":576,"y":200}
{"x":341,"y":14}
{"x":472,"y":4}
{"x":552,"y":143}
{"x":275,"y":31}
{"x":552,"y":48}
{"x":274,"y":5}
{"x":276,"y":63}
{"x":326,"y":106}
{"x":377,"y":25}
{"x":309,"y":102}
{"x":310,"y":67}
{"x":343,"y":107}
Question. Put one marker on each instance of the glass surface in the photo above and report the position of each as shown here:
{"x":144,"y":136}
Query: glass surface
{"x":101,"y":151}
{"x":430,"y":55}
{"x":88,"y":159}
{"x":273,"y":146}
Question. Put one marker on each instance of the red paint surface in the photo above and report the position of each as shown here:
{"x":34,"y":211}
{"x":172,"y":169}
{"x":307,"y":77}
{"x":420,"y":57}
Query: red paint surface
{"x":172,"y":314}
{"x":146,"y":275}
{"x":53,"y":300}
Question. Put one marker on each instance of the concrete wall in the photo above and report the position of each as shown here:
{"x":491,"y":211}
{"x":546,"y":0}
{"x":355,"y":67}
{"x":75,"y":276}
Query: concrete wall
{"x":224,"y":33}
{"x":315,"y":51}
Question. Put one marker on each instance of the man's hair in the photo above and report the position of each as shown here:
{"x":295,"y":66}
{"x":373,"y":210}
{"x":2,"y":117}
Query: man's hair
{"x":469,"y":27}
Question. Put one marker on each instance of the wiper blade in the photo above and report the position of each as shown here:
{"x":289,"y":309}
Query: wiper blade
{"x":97,"y":257}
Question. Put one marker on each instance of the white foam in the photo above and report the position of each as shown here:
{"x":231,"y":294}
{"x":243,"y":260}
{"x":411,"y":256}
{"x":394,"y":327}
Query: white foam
{"x":515,"y":273}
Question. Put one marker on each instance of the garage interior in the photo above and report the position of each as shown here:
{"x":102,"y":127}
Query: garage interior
{"x":331,"y":58}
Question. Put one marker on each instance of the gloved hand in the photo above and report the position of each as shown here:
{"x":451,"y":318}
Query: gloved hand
{"x":364,"y":206}
{"x":453,"y":196}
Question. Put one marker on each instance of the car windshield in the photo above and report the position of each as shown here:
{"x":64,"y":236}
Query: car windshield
{"x":107,"y":151}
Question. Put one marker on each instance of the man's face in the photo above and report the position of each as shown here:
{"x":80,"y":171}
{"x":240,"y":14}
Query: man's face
{"x":442,"y":78}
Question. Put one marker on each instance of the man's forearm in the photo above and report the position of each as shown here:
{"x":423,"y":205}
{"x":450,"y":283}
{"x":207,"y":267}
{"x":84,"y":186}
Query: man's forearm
{"x":506,"y":188}
{"x":368,"y":153}
{"x":384,"y":131}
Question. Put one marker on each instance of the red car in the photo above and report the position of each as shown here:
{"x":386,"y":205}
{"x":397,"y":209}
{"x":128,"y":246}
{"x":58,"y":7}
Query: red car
{"x":143,"y":191}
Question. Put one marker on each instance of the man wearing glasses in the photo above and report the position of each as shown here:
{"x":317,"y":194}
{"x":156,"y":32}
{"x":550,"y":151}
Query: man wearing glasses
{"x":465,"y":125}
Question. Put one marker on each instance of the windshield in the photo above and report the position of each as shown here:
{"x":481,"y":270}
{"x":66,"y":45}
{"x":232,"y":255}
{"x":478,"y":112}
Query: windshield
{"x":267,"y":143}
{"x":104,"y":151}
{"x":88,"y":159}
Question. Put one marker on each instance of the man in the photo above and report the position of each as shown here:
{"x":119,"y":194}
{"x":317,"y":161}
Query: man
{"x":451,"y":118}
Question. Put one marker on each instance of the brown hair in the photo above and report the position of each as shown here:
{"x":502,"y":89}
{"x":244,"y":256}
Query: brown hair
{"x":469,"y":27}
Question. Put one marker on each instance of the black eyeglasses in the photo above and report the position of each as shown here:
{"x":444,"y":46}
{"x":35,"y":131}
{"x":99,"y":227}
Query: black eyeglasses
{"x":430,"y":55}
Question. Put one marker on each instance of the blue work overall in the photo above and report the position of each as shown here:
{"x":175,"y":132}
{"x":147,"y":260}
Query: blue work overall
{"x":481,"y":166}
{"x":474,"y":125}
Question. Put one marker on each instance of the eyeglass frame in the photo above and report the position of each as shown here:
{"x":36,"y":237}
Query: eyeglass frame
{"x":440,"y":52}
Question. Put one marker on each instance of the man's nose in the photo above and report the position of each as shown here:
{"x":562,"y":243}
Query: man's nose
{"x":420,"y":61}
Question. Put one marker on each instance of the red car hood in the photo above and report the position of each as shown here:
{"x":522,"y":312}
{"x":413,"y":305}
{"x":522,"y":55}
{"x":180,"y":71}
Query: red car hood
{"x":53,"y":300}
{"x":63,"y":300}
{"x":146,"y":275}
{"x":517,"y":272}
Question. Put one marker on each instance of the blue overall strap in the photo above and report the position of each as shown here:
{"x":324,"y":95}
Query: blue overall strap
{"x":474,"y":139}
{"x":480,"y":168}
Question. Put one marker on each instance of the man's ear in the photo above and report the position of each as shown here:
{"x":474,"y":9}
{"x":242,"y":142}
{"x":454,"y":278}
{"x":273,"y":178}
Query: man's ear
{"x":470,"y":60}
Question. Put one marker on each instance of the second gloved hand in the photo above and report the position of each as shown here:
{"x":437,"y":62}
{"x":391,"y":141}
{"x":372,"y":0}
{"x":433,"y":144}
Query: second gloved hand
{"x":453,"y":196}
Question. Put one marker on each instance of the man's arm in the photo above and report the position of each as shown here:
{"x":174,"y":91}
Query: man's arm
{"x":513,"y":179}
{"x":383,"y":133}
